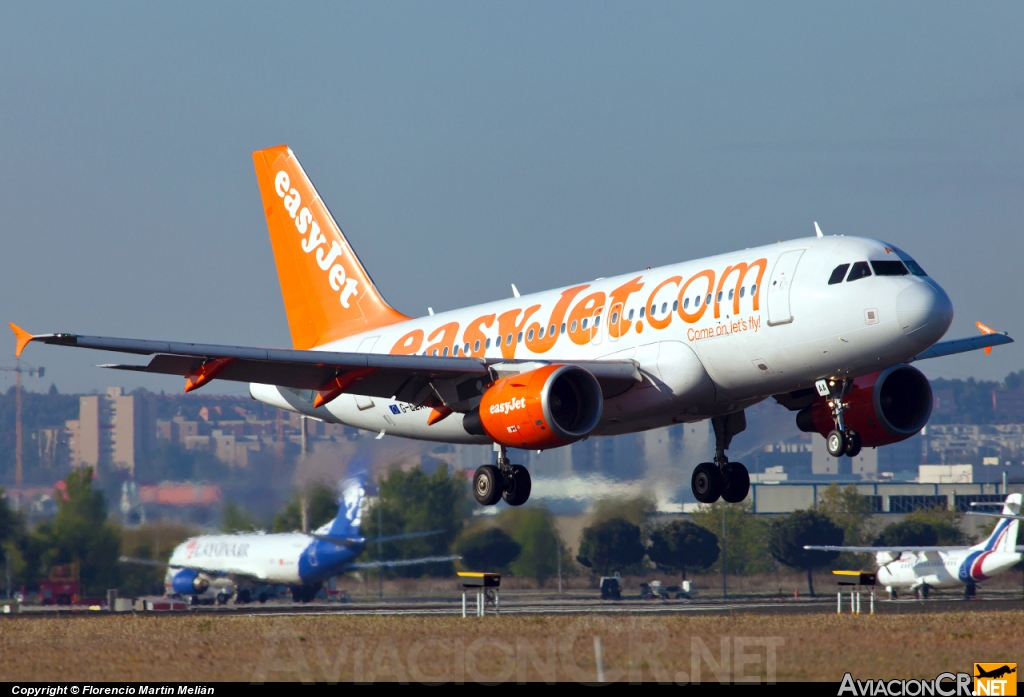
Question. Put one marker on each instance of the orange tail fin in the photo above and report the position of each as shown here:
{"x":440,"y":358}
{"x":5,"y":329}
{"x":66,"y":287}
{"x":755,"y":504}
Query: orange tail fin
{"x":327,"y":293}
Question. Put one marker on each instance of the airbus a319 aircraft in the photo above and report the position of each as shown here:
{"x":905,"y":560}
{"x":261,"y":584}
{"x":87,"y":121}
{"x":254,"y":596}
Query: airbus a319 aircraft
{"x":825,"y":325}
{"x":919,"y":568}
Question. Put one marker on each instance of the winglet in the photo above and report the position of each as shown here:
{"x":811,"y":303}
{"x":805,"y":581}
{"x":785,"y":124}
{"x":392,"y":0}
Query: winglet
{"x":817,"y":230}
{"x":23,"y":338}
{"x":984,"y":329}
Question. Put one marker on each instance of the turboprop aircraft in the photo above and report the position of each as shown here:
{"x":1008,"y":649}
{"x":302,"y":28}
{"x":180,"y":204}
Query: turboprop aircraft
{"x":199,"y":566}
{"x":825,"y":325}
{"x":920,"y":568}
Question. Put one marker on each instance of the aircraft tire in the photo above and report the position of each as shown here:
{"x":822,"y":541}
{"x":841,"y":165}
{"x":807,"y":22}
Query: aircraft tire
{"x":519,"y":485}
{"x":836,"y":443}
{"x":487,"y":485}
{"x":706,"y":482}
{"x":263,"y":597}
{"x":736,"y":483}
{"x":853,"y":444}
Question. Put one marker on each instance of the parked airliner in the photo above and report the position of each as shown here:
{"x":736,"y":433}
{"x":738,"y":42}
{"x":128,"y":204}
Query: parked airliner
{"x":201,"y":566}
{"x":920,"y":568}
{"x":825,"y":325}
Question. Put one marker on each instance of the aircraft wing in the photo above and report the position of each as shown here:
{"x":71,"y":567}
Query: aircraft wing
{"x":1009,"y":516}
{"x":190,"y":567}
{"x":404,"y":378}
{"x":972,"y":343}
{"x":909,"y":548}
{"x":402,"y":562}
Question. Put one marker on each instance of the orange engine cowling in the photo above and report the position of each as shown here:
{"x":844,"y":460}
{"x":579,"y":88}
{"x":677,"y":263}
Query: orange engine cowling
{"x":884,"y":407}
{"x":543,"y":408}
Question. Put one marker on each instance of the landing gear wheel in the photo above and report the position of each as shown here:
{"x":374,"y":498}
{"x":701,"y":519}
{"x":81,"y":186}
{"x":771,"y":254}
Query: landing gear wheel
{"x":852,"y":443}
{"x":836,"y":443}
{"x":737,"y":483}
{"x":706,"y":482}
{"x":243,"y":596}
{"x":517,"y":486}
{"x":263,"y":597}
{"x":970,"y":590}
{"x":487,"y":485}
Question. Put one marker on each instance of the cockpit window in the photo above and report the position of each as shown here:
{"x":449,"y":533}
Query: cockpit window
{"x":838,"y":274}
{"x":859,"y":270}
{"x":889,"y":268}
{"x":914,"y":267}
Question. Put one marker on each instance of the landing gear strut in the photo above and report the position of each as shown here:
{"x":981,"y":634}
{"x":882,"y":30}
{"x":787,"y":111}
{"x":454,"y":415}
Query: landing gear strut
{"x":842,"y":440}
{"x":721,"y":478}
{"x":502,"y":480}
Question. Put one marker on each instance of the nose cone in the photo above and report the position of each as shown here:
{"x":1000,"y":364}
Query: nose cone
{"x":924,"y":312}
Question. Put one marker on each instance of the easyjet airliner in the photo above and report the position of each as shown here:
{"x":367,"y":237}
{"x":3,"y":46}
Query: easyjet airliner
{"x":826,"y":325}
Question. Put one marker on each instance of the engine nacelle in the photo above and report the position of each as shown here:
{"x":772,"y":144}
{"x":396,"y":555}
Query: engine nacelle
{"x":187,"y":582}
{"x":884,"y":407}
{"x":543,"y":408}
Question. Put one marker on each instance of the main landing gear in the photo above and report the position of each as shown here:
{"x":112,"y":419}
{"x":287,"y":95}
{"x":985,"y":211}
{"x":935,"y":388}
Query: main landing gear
{"x":502,"y":480}
{"x":842,"y":440}
{"x":721,"y":478}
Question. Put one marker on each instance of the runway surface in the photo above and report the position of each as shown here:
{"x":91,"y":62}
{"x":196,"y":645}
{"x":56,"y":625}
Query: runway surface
{"x":513,"y":604}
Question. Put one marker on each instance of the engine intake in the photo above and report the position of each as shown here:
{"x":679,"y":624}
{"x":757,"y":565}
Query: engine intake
{"x":539,"y":409}
{"x":187,"y":582}
{"x":884,"y":407}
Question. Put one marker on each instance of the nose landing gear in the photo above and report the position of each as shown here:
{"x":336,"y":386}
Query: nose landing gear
{"x":842,"y":440}
{"x":502,"y":480}
{"x":721,"y":478}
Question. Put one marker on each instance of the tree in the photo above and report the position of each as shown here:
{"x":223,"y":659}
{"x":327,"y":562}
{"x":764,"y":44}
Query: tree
{"x":612,"y":545}
{"x":910,"y":533}
{"x":534,"y":529}
{"x":487,"y":549}
{"x":681,"y":544}
{"x":791,"y":533}
{"x":854,"y":513}
{"x":234,"y":518}
{"x":415,"y":501}
{"x":746,"y":537}
{"x":321,"y":507}
{"x":80,"y":532}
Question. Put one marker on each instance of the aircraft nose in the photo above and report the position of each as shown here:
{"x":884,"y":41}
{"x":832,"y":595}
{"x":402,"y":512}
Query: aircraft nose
{"x":924,"y":311}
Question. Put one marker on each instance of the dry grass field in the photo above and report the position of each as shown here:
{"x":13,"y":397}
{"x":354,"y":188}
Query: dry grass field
{"x":371,"y":648}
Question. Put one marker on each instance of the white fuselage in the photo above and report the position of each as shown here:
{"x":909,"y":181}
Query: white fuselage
{"x":939,"y":569}
{"x":773,"y":325}
{"x":267,"y":558}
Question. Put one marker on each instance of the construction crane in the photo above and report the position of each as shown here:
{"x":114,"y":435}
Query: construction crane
{"x":19,"y":472}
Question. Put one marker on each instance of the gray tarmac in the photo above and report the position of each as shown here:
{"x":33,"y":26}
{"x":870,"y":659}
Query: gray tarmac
{"x":514,"y":604}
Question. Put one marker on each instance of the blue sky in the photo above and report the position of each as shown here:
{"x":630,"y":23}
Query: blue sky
{"x":464,"y":147}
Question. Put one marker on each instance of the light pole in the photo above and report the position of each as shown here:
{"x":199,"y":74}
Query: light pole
{"x":723,"y":552}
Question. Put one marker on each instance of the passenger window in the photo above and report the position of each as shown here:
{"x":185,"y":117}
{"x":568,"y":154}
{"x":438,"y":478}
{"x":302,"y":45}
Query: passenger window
{"x":889,"y":268}
{"x":742,"y":290}
{"x":675,"y":305}
{"x":731,"y":292}
{"x":642,"y":312}
{"x":686,"y":303}
{"x":718,"y":298}
{"x":707,"y":300}
{"x":753,"y":289}
{"x":572,"y":328}
{"x":859,"y":270}
{"x":497,"y":342}
{"x":434,"y":352}
{"x":615,"y":317}
{"x":696,"y":301}
{"x":488,"y":343}
{"x":519,"y":338}
{"x":529,"y":337}
{"x":630,"y":314}
{"x":508,"y":340}
{"x":476,"y":345}
{"x":465,"y":349}
{"x":838,"y":274}
{"x":664,"y":308}
{"x":597,"y":321}
{"x":562,"y":330}
{"x":584,"y":325}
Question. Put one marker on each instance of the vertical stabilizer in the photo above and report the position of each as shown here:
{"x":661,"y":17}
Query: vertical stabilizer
{"x":351,"y":499}
{"x":1004,"y":535}
{"x":327,"y":293}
